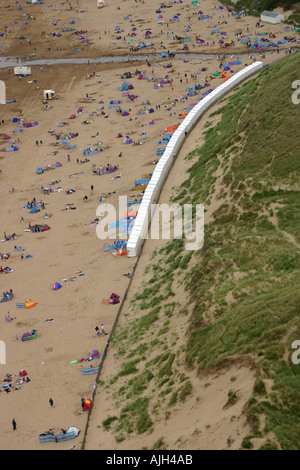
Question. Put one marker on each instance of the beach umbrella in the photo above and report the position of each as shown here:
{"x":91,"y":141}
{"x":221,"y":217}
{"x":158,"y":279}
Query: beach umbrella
{"x":34,"y":210}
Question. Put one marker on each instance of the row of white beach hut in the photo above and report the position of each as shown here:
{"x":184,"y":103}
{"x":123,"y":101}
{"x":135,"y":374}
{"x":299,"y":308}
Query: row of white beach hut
{"x":140,"y":229}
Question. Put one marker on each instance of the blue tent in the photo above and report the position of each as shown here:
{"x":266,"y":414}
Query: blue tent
{"x":56,"y":286}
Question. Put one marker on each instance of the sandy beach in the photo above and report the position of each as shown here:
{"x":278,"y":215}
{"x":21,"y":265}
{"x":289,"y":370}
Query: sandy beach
{"x":70,"y":253}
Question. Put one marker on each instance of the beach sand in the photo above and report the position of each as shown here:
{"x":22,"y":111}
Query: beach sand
{"x":72,"y":245}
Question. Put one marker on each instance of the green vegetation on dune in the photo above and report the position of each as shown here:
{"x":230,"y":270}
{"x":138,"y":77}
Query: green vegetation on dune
{"x":241,"y":290}
{"x":253,"y":7}
{"x":248,"y":271}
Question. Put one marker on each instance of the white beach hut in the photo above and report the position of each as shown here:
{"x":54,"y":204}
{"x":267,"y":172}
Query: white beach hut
{"x":271,"y":17}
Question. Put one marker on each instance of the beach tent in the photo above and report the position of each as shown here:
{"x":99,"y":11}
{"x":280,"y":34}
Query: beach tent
{"x":87,"y":404}
{"x":56,"y":286}
{"x":48,"y":94}
{"x":31,"y":124}
{"x":125,"y":113}
{"x":34,"y":210}
{"x":58,"y":164}
{"x":30,"y":304}
{"x":127,"y":140}
{"x":23,"y":373}
{"x":114,"y":299}
{"x":170,"y":130}
{"x":74,"y":430}
{"x":29,"y":336}
{"x":45,"y":228}
{"x":95,"y":354}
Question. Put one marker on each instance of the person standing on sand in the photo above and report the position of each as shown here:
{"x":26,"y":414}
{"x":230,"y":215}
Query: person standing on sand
{"x":14,"y":424}
{"x":82,"y":404}
{"x":51,"y":402}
